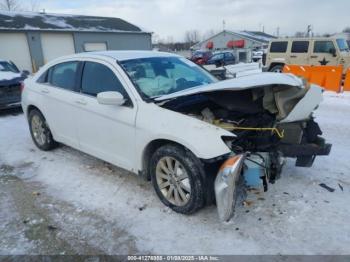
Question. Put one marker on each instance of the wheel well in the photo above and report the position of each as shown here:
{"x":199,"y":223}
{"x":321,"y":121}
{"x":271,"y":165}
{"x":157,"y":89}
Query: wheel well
{"x":30,"y":108}
{"x":275,"y":64}
{"x":208,"y":171}
{"x":150,"y":149}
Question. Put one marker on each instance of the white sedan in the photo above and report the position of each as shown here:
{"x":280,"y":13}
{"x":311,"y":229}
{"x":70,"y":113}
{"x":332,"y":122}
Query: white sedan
{"x":167,"y":119}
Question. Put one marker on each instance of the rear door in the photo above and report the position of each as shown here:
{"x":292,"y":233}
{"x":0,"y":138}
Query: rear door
{"x":299,"y":53}
{"x":322,"y":53}
{"x":106,"y":131}
{"x":59,"y":90}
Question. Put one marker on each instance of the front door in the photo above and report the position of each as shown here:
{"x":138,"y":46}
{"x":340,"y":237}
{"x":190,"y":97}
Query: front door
{"x":106,"y":131}
{"x":299,"y":53}
{"x":323,"y":53}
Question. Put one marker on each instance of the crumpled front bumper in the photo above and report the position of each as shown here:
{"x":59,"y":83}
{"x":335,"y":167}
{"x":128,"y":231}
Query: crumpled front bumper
{"x":306,"y":153}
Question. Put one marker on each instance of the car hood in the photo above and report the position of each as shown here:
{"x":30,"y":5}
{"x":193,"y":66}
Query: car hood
{"x":241,"y":83}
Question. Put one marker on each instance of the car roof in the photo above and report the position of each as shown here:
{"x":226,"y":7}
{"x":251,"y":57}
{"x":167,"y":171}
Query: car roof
{"x":126,"y":55}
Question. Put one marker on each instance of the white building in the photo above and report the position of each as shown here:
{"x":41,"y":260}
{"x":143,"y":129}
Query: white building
{"x":243,"y":42}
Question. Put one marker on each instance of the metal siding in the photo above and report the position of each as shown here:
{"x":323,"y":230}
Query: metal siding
{"x":115,"y":41}
{"x":220,"y":41}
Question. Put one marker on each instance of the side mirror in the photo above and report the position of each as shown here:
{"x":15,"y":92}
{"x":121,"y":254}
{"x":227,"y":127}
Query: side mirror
{"x":110,"y":98}
{"x":333,"y":52}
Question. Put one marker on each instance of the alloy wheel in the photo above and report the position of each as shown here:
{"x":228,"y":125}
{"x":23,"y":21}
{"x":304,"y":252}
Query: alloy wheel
{"x":173,"y":181}
{"x":38,"y":130}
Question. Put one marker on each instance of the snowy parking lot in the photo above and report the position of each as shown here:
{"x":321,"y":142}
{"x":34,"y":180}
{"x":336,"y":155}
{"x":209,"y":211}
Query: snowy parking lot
{"x":66,"y":202}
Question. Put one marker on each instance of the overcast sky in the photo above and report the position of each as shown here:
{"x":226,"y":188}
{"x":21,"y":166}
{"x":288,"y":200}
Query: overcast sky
{"x":171,"y":18}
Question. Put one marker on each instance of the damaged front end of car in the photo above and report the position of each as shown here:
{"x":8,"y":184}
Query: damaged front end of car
{"x":270,"y":119}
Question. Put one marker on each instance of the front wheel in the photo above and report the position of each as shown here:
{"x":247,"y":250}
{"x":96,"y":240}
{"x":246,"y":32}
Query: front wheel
{"x":178,"y":179}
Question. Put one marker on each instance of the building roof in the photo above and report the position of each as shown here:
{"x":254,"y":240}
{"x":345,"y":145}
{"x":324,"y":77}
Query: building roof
{"x":262,"y":36}
{"x":29,"y":21}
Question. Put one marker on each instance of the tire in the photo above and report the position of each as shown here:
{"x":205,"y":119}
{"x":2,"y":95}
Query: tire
{"x":277,"y":69}
{"x":190,"y":191}
{"x":40,"y":132}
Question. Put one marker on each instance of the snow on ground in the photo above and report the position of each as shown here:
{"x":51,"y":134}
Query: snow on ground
{"x":296,"y":215}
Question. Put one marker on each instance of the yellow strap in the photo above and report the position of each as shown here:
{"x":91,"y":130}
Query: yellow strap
{"x":273,"y":129}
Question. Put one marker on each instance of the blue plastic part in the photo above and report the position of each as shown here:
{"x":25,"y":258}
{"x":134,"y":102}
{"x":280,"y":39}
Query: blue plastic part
{"x":252,"y":176}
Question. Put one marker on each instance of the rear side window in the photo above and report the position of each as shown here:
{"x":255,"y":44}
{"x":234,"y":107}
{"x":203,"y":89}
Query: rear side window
{"x":64,"y":75}
{"x":279,"y":47}
{"x":99,"y":78}
{"x":300,"y":46}
{"x":323,"y":46}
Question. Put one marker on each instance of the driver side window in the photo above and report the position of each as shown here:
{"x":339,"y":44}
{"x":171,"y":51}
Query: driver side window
{"x":323,"y":46}
{"x":99,"y":78}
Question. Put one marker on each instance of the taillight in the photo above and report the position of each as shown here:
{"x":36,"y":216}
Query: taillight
{"x":22,"y":87}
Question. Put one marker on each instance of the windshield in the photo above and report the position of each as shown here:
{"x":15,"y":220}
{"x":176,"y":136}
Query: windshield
{"x":8,"y":67}
{"x":342,"y":45}
{"x":158,"y":76}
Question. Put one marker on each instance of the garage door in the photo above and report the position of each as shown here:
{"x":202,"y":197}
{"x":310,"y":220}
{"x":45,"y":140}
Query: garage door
{"x":14,"y":47}
{"x":56,"y":44}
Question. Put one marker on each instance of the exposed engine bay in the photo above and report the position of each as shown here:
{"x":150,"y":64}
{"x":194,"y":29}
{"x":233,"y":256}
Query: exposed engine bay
{"x":258,"y":117}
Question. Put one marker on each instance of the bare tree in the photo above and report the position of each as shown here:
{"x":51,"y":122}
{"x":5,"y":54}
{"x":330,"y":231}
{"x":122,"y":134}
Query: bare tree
{"x":10,"y":5}
{"x":192,"y":36}
{"x":209,"y":34}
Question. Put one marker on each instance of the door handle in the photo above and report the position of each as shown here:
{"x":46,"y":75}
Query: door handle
{"x":45,"y":91}
{"x":313,"y":56}
{"x":293,"y":56}
{"x":80,"y":102}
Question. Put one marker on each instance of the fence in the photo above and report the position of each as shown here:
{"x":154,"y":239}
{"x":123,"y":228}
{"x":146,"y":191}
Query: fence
{"x":329,"y":77}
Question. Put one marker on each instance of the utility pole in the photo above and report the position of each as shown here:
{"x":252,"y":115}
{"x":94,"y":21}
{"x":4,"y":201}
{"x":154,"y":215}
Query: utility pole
{"x":278,"y":31}
{"x":223,"y":25}
{"x":309,"y":31}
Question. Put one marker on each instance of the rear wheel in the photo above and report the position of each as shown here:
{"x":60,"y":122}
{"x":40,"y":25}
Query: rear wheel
{"x":177,"y":179}
{"x":277,"y":69}
{"x":40,"y":131}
